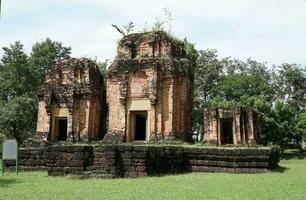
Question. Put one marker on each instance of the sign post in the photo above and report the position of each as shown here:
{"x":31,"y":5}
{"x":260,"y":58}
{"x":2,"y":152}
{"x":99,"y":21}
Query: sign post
{"x":10,"y":152}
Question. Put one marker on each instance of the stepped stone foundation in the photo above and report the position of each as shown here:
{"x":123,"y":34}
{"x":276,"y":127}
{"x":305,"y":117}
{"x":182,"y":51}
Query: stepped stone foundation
{"x":110,"y":161}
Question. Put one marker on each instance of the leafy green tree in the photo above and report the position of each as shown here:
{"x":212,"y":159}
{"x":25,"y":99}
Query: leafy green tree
{"x":242,"y":81}
{"x":18,"y":102}
{"x":103,"y":69}
{"x":208,"y":73}
{"x":15,"y":74}
{"x":196,"y":113}
{"x":277,"y":95}
{"x":291,"y":81}
{"x":18,"y":118}
{"x":301,"y":126}
{"x":239,"y":88}
{"x":44,"y":55}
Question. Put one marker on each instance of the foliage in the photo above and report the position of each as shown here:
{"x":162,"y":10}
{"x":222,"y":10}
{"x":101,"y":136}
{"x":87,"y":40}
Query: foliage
{"x":20,"y":77}
{"x":158,"y":25}
{"x":129,"y":27}
{"x":126,"y":29}
{"x":291,"y":82}
{"x":15,"y":75}
{"x":301,"y":125}
{"x":196,"y":115}
{"x":18,"y":118}
{"x":278,"y":96}
{"x":44,"y":55}
{"x":207,"y":74}
{"x":103,"y":69}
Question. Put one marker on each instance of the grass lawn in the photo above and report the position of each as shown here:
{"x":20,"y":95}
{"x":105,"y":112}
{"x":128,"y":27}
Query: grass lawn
{"x":289,"y":182}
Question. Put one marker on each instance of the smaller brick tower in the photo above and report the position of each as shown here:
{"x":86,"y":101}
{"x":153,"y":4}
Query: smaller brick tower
{"x":72,"y":102}
{"x":149,"y":89}
{"x":231,"y":126}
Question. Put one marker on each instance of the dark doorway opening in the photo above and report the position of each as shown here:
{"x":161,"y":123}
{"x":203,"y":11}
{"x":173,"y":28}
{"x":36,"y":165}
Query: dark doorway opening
{"x":227,"y":131}
{"x":62,"y":129}
{"x":140,"y":126}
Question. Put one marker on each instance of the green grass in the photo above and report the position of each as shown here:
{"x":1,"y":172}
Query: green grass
{"x":288,"y":182}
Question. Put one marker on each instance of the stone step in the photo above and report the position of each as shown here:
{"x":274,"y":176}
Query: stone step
{"x":101,"y":176}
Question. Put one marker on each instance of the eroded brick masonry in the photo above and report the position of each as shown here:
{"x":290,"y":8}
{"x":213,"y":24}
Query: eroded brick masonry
{"x":149,"y":89}
{"x":231,"y":126}
{"x":72,"y":102}
{"x":148,"y":96}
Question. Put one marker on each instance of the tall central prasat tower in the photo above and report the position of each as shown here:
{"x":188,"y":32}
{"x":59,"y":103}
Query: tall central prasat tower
{"x":149,"y":90}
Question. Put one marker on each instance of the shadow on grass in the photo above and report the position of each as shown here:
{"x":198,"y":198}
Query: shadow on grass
{"x":279,"y":169}
{"x":7,"y":182}
{"x":293,"y":155}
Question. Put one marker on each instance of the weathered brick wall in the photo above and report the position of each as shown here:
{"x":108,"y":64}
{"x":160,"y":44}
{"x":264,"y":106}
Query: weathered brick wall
{"x":245,"y":125}
{"x":157,"y":44}
{"x":67,"y":160}
{"x":29,"y":159}
{"x":109,"y":161}
{"x":151,"y":67}
{"x":138,"y":161}
{"x":74,"y":90}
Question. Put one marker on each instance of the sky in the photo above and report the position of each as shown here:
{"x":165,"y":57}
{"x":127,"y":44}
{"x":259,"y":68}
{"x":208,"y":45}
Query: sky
{"x":272,"y":31}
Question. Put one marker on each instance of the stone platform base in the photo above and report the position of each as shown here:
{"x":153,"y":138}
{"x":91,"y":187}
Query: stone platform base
{"x":109,"y":161}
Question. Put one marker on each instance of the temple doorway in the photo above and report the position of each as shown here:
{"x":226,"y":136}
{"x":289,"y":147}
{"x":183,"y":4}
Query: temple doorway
{"x":140,"y":125}
{"x":61,"y":128}
{"x":226,"y":131}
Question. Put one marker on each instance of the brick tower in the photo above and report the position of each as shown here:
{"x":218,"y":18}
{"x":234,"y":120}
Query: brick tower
{"x":72,"y":102}
{"x":149,"y":89}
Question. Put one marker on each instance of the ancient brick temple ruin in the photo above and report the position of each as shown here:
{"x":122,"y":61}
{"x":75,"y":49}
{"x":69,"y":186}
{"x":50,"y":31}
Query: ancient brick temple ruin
{"x":149,"y":89}
{"x":230,"y":126}
{"x":72,"y":102}
{"x":149,"y":97}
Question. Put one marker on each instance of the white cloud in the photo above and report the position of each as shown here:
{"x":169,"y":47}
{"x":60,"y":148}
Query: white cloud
{"x":272,"y":31}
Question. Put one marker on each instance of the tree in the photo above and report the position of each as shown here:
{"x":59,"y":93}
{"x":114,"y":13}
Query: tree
{"x":208,"y":72}
{"x":278,"y":96}
{"x":15,"y":74}
{"x":18,"y":101}
{"x":291,"y":81}
{"x":301,"y":126}
{"x":20,"y":77}
{"x":18,"y":118}
{"x":196,"y":113}
{"x":44,"y":55}
{"x":103,"y":69}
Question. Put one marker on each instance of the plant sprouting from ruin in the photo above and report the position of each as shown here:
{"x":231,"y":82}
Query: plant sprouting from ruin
{"x":129,"y":27}
{"x":125,"y":30}
{"x":169,"y":19}
{"x":158,"y":25}
{"x":118,"y":29}
{"x":145,"y":29}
